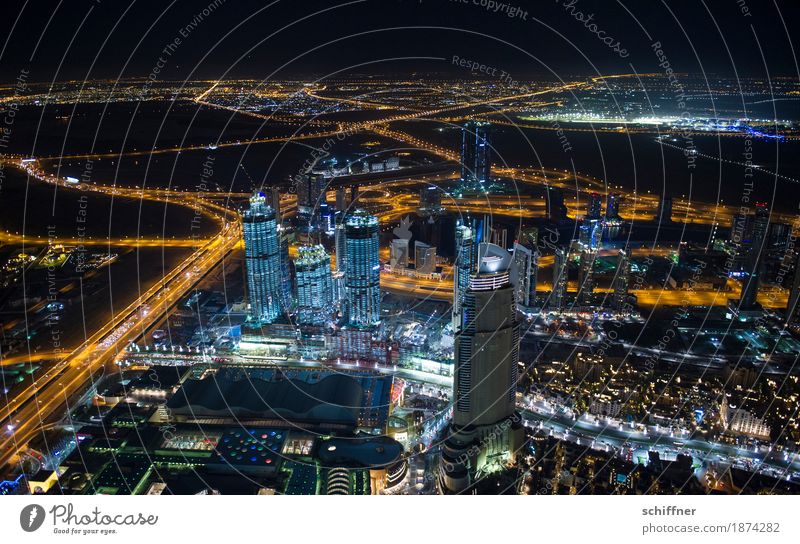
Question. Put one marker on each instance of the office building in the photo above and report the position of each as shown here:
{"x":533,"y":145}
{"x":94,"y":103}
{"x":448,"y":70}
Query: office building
{"x":363,"y":271}
{"x":621,"y":282}
{"x":475,"y":157}
{"x":586,"y":278}
{"x":340,"y":247}
{"x":262,"y":261}
{"x":430,"y":201}
{"x":310,"y":194}
{"x":424,"y":258}
{"x":560,"y":277}
{"x":594,"y":206}
{"x":612,"y":207}
{"x":482,"y":437}
{"x":464,"y":266}
{"x":526,"y":267}
{"x":556,"y":209}
{"x":398,"y":253}
{"x":314,"y":285}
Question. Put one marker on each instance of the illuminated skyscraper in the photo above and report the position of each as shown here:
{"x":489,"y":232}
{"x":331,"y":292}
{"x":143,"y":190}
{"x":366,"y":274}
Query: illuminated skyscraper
{"x":262,"y":261}
{"x":526,"y":267}
{"x":586,"y":278}
{"x":314,"y":285}
{"x":621,"y":282}
{"x":340,"y":247}
{"x":363,"y":274}
{"x":430,"y":201}
{"x":560,"y":277}
{"x":482,"y":436}
{"x":594,"y":206}
{"x":310,"y":194}
{"x":476,"y":159}
{"x":465,"y":265}
{"x":612,"y":207}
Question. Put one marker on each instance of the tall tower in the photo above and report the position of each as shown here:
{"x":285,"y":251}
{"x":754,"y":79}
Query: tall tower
{"x":586,"y":278}
{"x":612,"y":207}
{"x":476,"y":160}
{"x":752,"y":269}
{"x":622,"y":280}
{"x":310,"y":194}
{"x":362,"y":274}
{"x":314,"y":285}
{"x":263,"y":261}
{"x":481,"y":435}
{"x":556,"y":209}
{"x":465,"y":264}
{"x":560,"y":277}
{"x":594,"y":208}
{"x":526,"y":267}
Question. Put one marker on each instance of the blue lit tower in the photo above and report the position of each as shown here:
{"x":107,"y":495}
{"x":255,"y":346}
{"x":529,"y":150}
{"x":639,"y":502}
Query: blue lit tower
{"x":476,"y":162}
{"x":262,"y":260}
{"x":482,"y":437}
{"x":465,"y":265}
{"x":612,"y":207}
{"x":594,"y":206}
{"x":314,"y":285}
{"x":362,"y":276}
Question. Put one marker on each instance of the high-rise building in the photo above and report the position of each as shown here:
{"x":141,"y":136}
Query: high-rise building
{"x":590,"y":234}
{"x":498,"y":235}
{"x":310,"y":194}
{"x":556,"y":209}
{"x":424,"y":258}
{"x":621,"y":282}
{"x":363,"y":271}
{"x":340,"y":247}
{"x":586,"y":277}
{"x":430,"y":201}
{"x":398,"y":253}
{"x":560,"y":277}
{"x":341,"y":201}
{"x":314,"y":285}
{"x":526,"y":267}
{"x":287,"y":273}
{"x":594,"y":206}
{"x":481,"y":436}
{"x":273,"y":195}
{"x":476,"y":159}
{"x":612,"y":207}
{"x":464,"y":266}
{"x":262,"y":261}
{"x":752,"y":267}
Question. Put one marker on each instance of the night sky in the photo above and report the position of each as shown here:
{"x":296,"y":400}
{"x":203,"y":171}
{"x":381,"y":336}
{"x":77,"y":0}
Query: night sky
{"x":90,"y":39}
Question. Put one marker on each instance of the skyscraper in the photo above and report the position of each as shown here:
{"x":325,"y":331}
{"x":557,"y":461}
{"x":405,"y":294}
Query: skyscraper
{"x":430,"y":201}
{"x":793,"y":306}
{"x":310,"y":194}
{"x":594,"y":207}
{"x":475,"y":157}
{"x":481,"y":436}
{"x":621,"y":281}
{"x":526,"y":267}
{"x":314,"y":285}
{"x":262,"y":261}
{"x":664,"y":213}
{"x":752,"y":268}
{"x":612,"y":207}
{"x":398,"y":253}
{"x":362,"y":274}
{"x":560,"y":277}
{"x":340,"y":247}
{"x":465,"y":264}
{"x":556,"y":210}
{"x":586,"y":277}
{"x":424,"y":258}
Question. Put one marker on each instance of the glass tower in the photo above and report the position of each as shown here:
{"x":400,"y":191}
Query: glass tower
{"x":476,"y":160}
{"x":262,"y":260}
{"x":362,"y":274}
{"x":314,"y":285}
{"x":464,"y":266}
